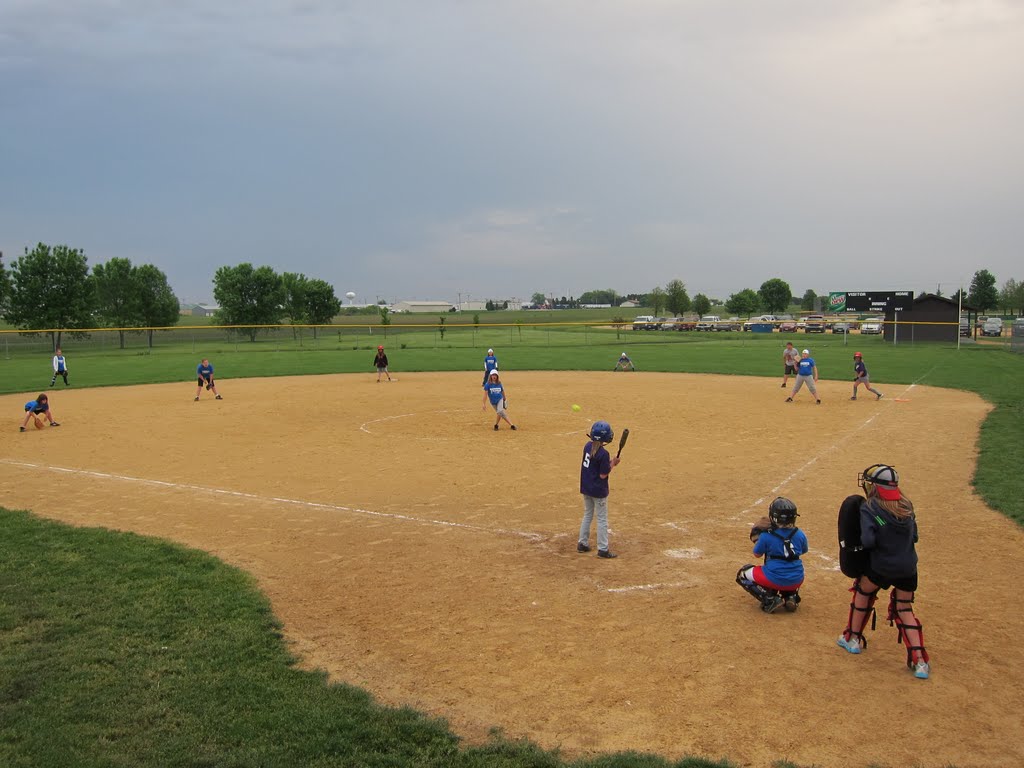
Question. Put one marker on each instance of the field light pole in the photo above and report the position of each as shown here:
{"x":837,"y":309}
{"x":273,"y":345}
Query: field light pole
{"x":959,"y":310}
{"x":895,"y":325}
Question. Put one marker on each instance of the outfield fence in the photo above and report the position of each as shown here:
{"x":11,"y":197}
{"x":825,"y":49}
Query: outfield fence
{"x":352,"y":336}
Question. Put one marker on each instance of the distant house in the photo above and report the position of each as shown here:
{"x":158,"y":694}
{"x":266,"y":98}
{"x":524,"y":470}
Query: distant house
{"x":203,"y":310}
{"x":471,"y":306}
{"x":931,"y":318}
{"x":421,"y":306}
{"x":629,"y":304}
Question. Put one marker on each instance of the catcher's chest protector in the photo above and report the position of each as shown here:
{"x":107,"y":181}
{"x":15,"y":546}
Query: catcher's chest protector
{"x":852,"y":558}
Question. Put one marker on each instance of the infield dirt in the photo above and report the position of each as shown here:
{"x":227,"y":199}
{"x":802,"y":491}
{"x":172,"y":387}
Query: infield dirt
{"x":411,"y":550}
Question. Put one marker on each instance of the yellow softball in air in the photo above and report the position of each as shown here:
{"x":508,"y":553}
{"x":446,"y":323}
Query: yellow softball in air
{"x":575,"y":407}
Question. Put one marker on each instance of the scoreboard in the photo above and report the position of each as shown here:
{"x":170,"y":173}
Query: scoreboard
{"x":881,"y":302}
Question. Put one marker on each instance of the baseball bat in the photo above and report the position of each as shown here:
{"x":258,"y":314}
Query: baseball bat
{"x":622,"y":442}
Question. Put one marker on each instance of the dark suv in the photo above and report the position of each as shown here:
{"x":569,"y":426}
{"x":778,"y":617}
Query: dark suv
{"x":814,"y":324}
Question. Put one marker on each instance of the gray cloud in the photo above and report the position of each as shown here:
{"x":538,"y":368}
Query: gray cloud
{"x":420,"y":149}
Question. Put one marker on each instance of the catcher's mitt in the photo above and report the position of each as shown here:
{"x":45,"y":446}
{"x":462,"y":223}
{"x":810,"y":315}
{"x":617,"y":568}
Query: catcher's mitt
{"x":761,"y":526}
{"x":39,"y":423}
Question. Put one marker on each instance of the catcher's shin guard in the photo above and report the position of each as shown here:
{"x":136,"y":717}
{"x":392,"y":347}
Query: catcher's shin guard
{"x":867,"y":606}
{"x":902,"y":627}
{"x":751,"y":586}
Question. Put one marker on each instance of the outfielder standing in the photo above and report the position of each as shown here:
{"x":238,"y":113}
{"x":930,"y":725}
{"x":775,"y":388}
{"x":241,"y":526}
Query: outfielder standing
{"x":860,"y":376}
{"x":490,"y":364}
{"x":879,"y":555}
{"x":624,"y":363}
{"x":60,"y":368}
{"x":806,"y":373}
{"x":790,"y":357}
{"x":597,"y":465}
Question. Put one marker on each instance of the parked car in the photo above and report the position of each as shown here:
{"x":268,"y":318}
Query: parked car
{"x":669,"y":324}
{"x":872,"y":326}
{"x":992,"y":327}
{"x":640,"y":322}
{"x":814,"y":324}
{"x":684,"y":324}
{"x":788,"y":326}
{"x":840,"y":327}
{"x":733,"y":324}
{"x":708,"y":322}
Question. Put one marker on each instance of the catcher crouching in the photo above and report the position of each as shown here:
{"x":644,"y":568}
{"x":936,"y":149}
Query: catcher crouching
{"x":777,"y":582}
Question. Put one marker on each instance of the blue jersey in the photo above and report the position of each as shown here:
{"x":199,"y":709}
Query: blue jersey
{"x":591,"y":482}
{"x":780,"y":571}
{"x":204,"y":371}
{"x":495,"y":392}
{"x":36,"y":407}
{"x":805,"y":367}
{"x":860,"y":369}
{"x":490,"y":363}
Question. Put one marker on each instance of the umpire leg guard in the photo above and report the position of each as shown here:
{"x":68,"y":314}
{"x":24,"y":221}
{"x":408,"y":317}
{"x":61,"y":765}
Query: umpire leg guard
{"x":909,"y":629}
{"x":863,"y":603}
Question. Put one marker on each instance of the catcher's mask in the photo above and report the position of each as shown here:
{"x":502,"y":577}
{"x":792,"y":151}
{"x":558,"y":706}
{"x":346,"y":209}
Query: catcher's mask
{"x":601,"y":432}
{"x":883,"y":478}
{"x":782,"y":512}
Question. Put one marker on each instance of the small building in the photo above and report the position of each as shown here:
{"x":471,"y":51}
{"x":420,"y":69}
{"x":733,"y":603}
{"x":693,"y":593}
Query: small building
{"x":627,"y":304}
{"x":422,"y":306}
{"x":203,"y":310}
{"x":931,"y":318}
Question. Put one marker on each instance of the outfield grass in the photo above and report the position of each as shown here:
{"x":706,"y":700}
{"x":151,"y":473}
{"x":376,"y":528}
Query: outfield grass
{"x":121,"y":650}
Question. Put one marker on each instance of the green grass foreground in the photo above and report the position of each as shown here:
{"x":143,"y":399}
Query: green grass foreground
{"x":122,"y":650}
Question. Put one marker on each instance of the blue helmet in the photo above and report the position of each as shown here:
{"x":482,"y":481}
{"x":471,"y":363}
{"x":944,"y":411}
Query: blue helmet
{"x":602,"y":432}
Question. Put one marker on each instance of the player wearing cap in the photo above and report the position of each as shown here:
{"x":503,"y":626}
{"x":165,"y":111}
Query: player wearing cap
{"x":860,"y":376}
{"x":381,"y":363}
{"x":494,"y":391}
{"x":597,"y":465}
{"x":624,"y":363}
{"x":880,"y":553}
{"x":806,"y":373}
{"x":490,"y":363}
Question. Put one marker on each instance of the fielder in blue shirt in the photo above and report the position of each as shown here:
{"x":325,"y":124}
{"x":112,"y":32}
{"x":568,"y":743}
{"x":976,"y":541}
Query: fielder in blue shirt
{"x":806,"y":373}
{"x":495,"y":392}
{"x":490,"y":364}
{"x":38,"y":407}
{"x":204,"y":374}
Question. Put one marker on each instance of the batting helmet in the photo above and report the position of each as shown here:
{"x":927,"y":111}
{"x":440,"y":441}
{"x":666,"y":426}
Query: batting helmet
{"x":782,"y":512}
{"x":857,"y":354}
{"x":602,"y":432}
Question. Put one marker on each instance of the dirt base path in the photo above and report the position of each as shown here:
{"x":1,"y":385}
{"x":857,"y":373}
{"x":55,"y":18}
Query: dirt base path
{"x":410,"y":549}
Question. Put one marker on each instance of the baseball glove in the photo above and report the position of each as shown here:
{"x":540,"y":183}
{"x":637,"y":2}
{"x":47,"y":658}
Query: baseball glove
{"x":761,"y":526}
{"x":39,"y":423}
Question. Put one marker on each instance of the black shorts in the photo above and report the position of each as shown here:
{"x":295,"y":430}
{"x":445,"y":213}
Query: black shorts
{"x":205,"y":382}
{"x":37,"y":410}
{"x":906,"y":583}
{"x":790,"y":369}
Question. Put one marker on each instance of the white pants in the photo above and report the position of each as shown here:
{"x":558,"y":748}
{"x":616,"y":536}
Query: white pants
{"x":592,"y":504}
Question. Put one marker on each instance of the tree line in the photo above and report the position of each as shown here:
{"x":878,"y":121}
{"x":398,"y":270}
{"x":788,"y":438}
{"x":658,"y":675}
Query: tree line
{"x":775,"y":297}
{"x":52,"y":288}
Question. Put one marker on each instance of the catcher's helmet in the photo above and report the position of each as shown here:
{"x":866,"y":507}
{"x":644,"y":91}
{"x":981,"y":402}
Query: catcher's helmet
{"x":782,"y":512}
{"x":602,"y":432}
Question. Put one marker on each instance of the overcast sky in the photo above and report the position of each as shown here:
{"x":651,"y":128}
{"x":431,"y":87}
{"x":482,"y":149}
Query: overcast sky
{"x":425,"y":149}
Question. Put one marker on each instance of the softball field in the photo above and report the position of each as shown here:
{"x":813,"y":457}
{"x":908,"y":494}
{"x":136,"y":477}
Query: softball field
{"x":411,"y":550}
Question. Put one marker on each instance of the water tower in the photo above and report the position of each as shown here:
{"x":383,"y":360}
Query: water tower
{"x":350,"y":295}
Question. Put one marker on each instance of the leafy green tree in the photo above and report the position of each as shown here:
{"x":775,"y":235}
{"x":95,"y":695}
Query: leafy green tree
{"x":489,"y":305}
{"x":441,"y":327}
{"x":983,"y":293}
{"x":1007,"y":296}
{"x":248,"y":296}
{"x":51,"y":290}
{"x":677,"y":300}
{"x":156,"y":304}
{"x":701,"y":304}
{"x":607,"y":296}
{"x":5,"y":284}
{"x":656,"y":298}
{"x":294,"y":305}
{"x":775,"y":295}
{"x":322,"y":303}
{"x":538,"y":299}
{"x":116,"y":295}
{"x":807,"y":302}
{"x":746,"y":302}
